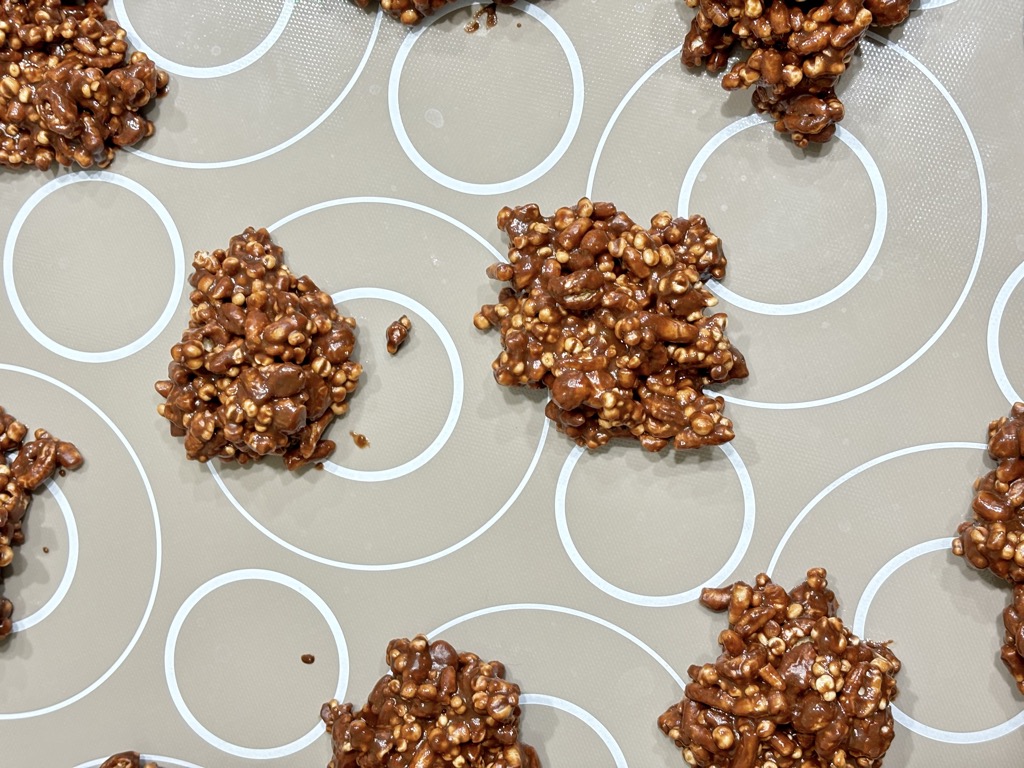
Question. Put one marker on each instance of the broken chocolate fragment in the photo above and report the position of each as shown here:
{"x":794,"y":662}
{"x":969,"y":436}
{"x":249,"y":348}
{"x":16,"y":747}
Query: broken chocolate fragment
{"x":397,"y":333}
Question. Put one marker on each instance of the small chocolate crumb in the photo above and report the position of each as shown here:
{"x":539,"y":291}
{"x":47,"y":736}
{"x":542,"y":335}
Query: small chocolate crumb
{"x":308,"y":658}
{"x":360,"y":440}
{"x":46,"y":550}
{"x":319,"y":466}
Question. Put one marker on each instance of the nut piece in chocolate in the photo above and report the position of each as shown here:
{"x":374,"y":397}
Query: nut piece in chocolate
{"x":24,"y":466}
{"x":127,"y":760}
{"x":793,"y":688}
{"x":435,"y":708}
{"x":265,"y":364}
{"x":70,"y":90}
{"x":800,"y":50}
{"x":412,"y":12}
{"x":994,"y":539}
{"x":609,"y":316}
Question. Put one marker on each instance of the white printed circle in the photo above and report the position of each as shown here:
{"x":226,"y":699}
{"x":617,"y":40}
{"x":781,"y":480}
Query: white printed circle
{"x":509,"y":185}
{"x":254,"y":157}
{"x":69,"y":567}
{"x":458,"y":389}
{"x":252,"y":574}
{"x":440,"y":441}
{"x":599,"y":728}
{"x":901,"y":717}
{"x":157,"y":559}
{"x":558,"y":609}
{"x":172,"y":233}
{"x":655,"y":601}
{"x":518,"y":627}
{"x":828,"y":489}
{"x":220,"y":70}
{"x":863,"y":266}
{"x":975,"y":156}
{"x":995,"y":321}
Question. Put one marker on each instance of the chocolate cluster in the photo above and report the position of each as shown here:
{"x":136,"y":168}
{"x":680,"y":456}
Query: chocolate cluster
{"x":127,"y":760}
{"x":435,"y":708}
{"x":994,"y":538}
{"x":265,"y":364}
{"x":70,"y":90}
{"x":1012,"y":653}
{"x":793,"y":688}
{"x":24,"y":466}
{"x":412,"y":12}
{"x":609,"y":316}
{"x":799,"y":52}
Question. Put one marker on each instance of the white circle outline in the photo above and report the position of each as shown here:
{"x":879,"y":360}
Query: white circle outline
{"x":161,"y":759}
{"x":852,"y":474}
{"x":220,"y":164}
{"x":218,"y":70}
{"x":458,"y":389}
{"x":995,"y":321}
{"x":544,"y":700}
{"x":655,"y":601}
{"x":982,"y":232}
{"x":497,"y":515}
{"x":498,"y":187}
{"x":231,"y":577}
{"x":567,"y":612}
{"x":178,"y":254}
{"x":158,"y":558}
{"x":69,"y":568}
{"x":851,"y":280}
{"x":901,"y":717}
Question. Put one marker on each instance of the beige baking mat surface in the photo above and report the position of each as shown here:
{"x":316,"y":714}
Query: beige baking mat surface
{"x":875,"y":286}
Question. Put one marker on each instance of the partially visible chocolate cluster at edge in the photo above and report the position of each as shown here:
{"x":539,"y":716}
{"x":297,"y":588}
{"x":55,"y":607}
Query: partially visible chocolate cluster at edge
{"x":1012,"y":653}
{"x":70,"y":91}
{"x":435,"y":708}
{"x":800,"y":50}
{"x":610,"y":317}
{"x":793,"y":688}
{"x":265,"y":364}
{"x":994,"y":539}
{"x":127,"y":760}
{"x":33,"y":462}
{"x":412,"y":12}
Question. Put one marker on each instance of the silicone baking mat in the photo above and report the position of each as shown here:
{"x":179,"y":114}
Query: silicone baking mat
{"x":874,"y":285}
